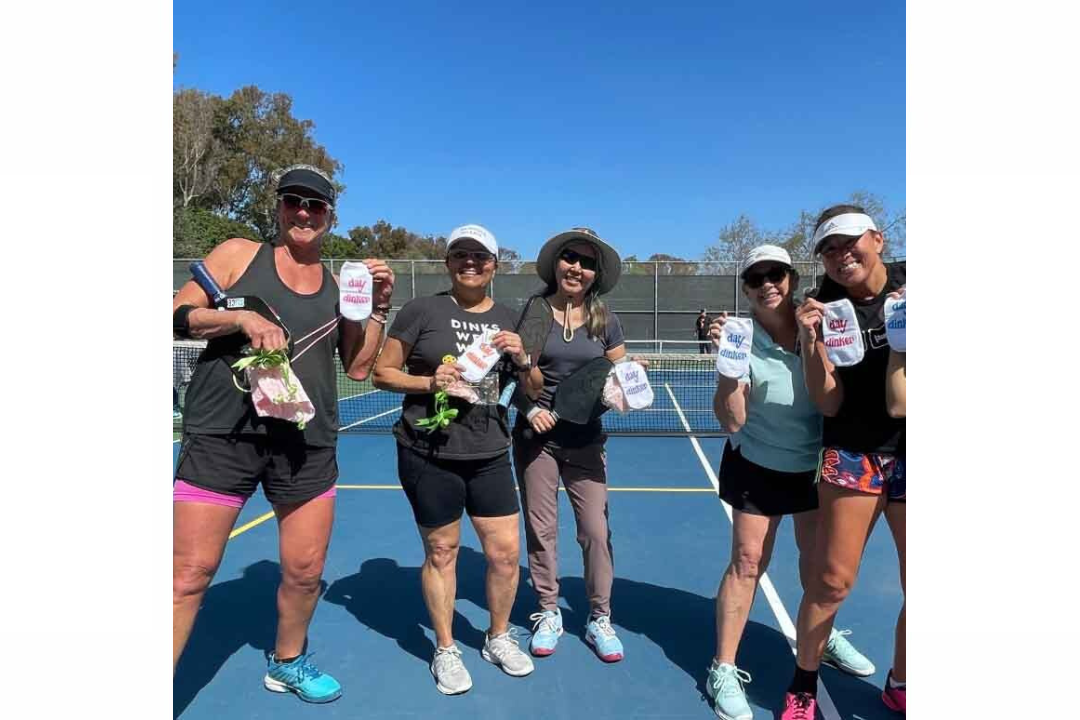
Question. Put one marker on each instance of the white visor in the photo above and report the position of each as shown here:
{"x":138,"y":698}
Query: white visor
{"x":851,"y":224}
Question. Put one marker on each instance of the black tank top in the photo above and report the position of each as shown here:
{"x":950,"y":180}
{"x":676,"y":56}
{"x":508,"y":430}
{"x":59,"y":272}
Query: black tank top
{"x":214,"y":405}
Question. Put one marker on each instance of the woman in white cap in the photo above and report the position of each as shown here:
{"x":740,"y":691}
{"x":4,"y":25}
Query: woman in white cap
{"x":767,"y":470}
{"x":861,"y":473}
{"x":577,"y":267}
{"x":227,"y":450}
{"x":463,"y":465}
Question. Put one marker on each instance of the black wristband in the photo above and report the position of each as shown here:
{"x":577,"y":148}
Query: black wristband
{"x":180,"y":325}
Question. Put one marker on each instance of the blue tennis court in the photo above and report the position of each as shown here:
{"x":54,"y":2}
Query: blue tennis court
{"x":671,"y":537}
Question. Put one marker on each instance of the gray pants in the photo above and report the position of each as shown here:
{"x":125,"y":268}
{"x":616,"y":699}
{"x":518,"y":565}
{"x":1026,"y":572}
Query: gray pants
{"x":584,"y":476}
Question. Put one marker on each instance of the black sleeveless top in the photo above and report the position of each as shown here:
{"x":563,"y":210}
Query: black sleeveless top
{"x":214,"y":406}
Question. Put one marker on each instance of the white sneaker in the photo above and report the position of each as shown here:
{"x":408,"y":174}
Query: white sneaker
{"x":503,"y":650}
{"x":451,"y":677}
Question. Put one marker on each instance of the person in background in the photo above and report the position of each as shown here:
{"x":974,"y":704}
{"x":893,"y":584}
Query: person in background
{"x":701,"y":329}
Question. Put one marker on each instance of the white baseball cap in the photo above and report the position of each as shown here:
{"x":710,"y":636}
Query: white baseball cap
{"x":479,"y":233}
{"x":761,"y":253}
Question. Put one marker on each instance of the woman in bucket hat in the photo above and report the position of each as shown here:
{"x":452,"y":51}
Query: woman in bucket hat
{"x":577,"y":267}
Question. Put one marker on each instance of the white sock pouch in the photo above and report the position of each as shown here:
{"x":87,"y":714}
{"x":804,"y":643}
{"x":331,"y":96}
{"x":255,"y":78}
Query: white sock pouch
{"x":635,"y":385}
{"x":733,"y":356}
{"x":479,"y":358}
{"x":354,"y":291}
{"x":843,"y":338}
{"x":896,"y":322}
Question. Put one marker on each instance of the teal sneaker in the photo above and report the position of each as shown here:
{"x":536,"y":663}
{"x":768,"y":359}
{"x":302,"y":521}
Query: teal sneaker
{"x":725,"y":686}
{"x":843,"y":656}
{"x":546,"y":632}
{"x":301,"y":677}
{"x":603,"y":639}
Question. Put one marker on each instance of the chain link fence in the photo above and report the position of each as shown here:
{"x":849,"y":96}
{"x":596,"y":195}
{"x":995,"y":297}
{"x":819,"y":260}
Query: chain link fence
{"x":654,"y":300}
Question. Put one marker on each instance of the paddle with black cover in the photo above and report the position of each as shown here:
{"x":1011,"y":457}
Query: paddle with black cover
{"x":223,"y":301}
{"x":579,"y":398}
{"x":534,"y":325}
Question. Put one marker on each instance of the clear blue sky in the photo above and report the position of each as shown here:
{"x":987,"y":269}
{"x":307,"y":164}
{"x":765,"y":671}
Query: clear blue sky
{"x":654,"y":123}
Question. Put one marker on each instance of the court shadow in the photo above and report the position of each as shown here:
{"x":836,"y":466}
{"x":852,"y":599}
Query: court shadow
{"x":857,"y":697}
{"x":682,"y":624}
{"x":387,"y":598}
{"x":234,"y":614}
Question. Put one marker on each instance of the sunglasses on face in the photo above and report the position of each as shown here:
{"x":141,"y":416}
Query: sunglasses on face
{"x":477,"y":256}
{"x":833,"y":247}
{"x":571,"y":257}
{"x":294,"y":202}
{"x":756,"y":280}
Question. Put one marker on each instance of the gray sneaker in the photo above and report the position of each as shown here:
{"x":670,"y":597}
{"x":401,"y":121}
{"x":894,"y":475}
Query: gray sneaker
{"x":503,"y":650}
{"x":451,"y":677}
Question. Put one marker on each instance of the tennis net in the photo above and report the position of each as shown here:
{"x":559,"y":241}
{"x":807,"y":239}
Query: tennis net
{"x":683,"y":386}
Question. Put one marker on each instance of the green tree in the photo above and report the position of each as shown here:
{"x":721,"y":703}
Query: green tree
{"x":197,"y":154}
{"x":735,"y":240}
{"x":336,"y":246}
{"x":259,"y":136}
{"x":197,"y":231}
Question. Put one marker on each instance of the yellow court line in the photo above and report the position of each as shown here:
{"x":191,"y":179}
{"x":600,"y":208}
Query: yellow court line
{"x":247,"y":526}
{"x":610,"y":489}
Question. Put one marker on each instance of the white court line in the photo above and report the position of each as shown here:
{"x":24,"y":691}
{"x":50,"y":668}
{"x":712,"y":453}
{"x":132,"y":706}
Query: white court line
{"x":367,"y":420}
{"x":825,"y":702}
{"x":363,"y":394}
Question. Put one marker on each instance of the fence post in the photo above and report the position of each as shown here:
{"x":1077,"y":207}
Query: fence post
{"x":735,"y":281}
{"x":655,"y":301}
{"x":412,"y":276}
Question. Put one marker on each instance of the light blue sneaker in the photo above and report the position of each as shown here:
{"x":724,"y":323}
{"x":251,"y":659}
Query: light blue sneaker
{"x":725,"y":686}
{"x":603,"y":639}
{"x":842,"y":655}
{"x":546,"y":631}
{"x":301,"y":677}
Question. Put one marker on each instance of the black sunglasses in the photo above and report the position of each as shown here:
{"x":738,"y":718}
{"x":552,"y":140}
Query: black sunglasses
{"x":291,"y":201}
{"x":756,"y":280}
{"x":477,"y":256}
{"x":833,"y":247}
{"x":572,"y":257}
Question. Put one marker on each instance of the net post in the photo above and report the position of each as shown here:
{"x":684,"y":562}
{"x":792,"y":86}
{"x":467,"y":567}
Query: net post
{"x":656,"y":302}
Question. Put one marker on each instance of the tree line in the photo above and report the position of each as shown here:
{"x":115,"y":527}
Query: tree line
{"x":226,"y":150}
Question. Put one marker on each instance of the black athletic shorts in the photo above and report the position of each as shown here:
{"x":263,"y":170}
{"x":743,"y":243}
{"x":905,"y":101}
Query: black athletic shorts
{"x":236,"y":464}
{"x":756,"y":490}
{"x":440,"y":490}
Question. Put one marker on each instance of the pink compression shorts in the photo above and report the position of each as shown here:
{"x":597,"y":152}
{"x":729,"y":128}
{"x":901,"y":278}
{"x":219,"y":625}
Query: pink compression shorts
{"x":186,"y":492}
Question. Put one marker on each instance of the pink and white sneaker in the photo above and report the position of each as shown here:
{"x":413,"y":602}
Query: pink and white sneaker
{"x":895,"y":698}
{"x":799,"y":706}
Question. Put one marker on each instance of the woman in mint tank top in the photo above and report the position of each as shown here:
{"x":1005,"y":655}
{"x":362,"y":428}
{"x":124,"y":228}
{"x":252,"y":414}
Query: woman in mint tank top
{"x":768,"y":468}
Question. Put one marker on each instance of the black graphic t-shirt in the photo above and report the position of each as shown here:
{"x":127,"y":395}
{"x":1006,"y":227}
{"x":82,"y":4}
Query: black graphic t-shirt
{"x":436,"y":328}
{"x":863,"y":424}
